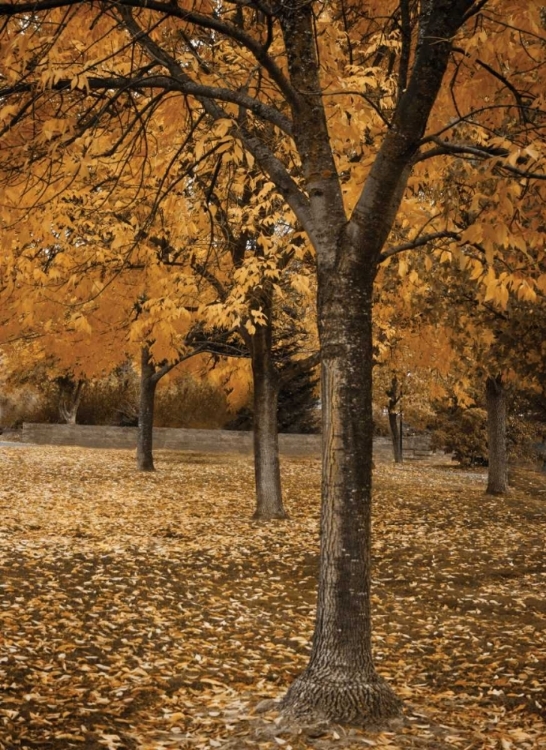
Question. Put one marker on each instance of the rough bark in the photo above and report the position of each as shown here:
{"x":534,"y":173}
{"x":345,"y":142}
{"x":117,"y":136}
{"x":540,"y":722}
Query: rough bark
{"x":267,"y":471}
{"x":148,"y":383}
{"x":497,"y":479}
{"x":340,"y":682}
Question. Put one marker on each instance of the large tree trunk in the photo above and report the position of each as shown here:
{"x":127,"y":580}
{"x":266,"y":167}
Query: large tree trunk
{"x":267,"y":471}
{"x":396,"y":434}
{"x":148,"y":383}
{"x":340,"y":682}
{"x":497,"y":480}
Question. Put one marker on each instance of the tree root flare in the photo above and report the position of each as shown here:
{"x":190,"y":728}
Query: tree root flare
{"x":280,"y":515}
{"x":370,"y":705}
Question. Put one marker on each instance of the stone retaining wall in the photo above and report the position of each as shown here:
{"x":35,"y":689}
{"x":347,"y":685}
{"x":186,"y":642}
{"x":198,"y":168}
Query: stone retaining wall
{"x":203,"y":441}
{"x":416,"y":448}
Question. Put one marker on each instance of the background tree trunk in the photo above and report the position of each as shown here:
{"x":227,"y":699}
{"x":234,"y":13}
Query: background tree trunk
{"x":71,"y":392}
{"x":497,"y":481}
{"x":395,"y":438}
{"x":267,"y":471}
{"x":394,"y":399}
{"x":148,"y":383}
{"x":340,"y":682}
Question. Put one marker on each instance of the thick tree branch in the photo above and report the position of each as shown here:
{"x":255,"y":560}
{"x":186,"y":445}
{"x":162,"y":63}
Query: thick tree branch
{"x":405,"y":27}
{"x":159,"y":54}
{"x":164,"y":369}
{"x":383,"y":190}
{"x":208,"y":276}
{"x":266,"y":159}
{"x":171,"y":9}
{"x":279,"y":175}
{"x":311,"y":134}
{"x":166,"y":83}
{"x":444,"y":148}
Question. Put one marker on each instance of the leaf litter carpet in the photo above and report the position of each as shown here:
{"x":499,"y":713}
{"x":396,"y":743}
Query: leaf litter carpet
{"x":147,"y":612}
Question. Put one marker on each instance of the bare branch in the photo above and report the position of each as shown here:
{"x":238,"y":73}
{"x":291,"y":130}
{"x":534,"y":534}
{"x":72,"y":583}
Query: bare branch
{"x":481,"y":152}
{"x":471,"y":117}
{"x":518,"y":96}
{"x":450,"y":147}
{"x":419,"y":241}
{"x":476,"y":9}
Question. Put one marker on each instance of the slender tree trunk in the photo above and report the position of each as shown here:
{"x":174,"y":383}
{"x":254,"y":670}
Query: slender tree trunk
{"x":148,"y":383}
{"x":340,"y":682}
{"x":71,"y":396}
{"x":267,"y":471}
{"x":395,"y":437}
{"x":394,"y":399}
{"x":497,"y":480}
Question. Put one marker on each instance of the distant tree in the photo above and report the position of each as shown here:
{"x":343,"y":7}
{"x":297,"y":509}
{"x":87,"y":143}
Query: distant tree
{"x":462,"y":431}
{"x":394,"y":395}
{"x":71,"y":390}
{"x":298,"y":399}
{"x":298,"y":407}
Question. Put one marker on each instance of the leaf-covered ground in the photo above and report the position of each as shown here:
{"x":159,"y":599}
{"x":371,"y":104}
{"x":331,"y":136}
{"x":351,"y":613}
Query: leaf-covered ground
{"x":147,"y":611}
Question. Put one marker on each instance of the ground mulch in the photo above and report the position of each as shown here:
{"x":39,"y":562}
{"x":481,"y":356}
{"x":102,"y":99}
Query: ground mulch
{"x":147,"y":611}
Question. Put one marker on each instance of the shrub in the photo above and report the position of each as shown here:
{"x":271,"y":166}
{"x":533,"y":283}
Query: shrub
{"x":462,"y":432}
{"x":191,"y":402}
